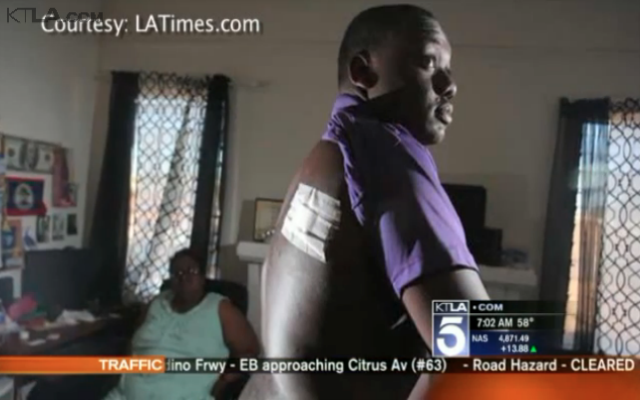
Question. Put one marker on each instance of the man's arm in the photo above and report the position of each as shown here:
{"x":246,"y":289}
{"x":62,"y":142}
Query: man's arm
{"x":300,"y":291}
{"x":424,"y":249}
{"x":458,"y":283}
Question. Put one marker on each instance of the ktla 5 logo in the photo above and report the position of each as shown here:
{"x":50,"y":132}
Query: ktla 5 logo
{"x":451,"y":336}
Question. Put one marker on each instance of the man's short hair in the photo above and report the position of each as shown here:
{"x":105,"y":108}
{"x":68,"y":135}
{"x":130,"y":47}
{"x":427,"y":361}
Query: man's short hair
{"x":375,"y":26}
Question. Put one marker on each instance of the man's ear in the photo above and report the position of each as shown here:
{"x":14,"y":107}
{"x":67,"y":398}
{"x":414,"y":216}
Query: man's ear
{"x":361,"y":73}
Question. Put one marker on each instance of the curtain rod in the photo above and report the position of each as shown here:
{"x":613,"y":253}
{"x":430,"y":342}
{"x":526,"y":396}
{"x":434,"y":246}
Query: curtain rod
{"x":256,"y":84}
{"x":234,"y":82}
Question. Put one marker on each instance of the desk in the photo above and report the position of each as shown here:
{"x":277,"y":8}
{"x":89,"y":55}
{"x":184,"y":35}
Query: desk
{"x":68,"y":334}
{"x":119,"y":319}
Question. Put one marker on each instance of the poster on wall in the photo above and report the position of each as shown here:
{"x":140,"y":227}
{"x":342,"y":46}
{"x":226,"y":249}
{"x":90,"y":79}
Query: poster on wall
{"x":12,"y":251}
{"x":28,"y":241}
{"x":72,"y":225}
{"x":43,"y":229}
{"x":265,"y":218}
{"x":57,"y":227}
{"x":3,"y":171}
{"x":64,"y":190}
{"x":2,"y":216}
{"x":28,"y":155}
{"x":25,"y":196}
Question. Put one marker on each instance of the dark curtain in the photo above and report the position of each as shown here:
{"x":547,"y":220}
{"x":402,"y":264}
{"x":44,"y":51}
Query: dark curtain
{"x":578,"y":121}
{"x":110,"y":221}
{"x":212,"y":154}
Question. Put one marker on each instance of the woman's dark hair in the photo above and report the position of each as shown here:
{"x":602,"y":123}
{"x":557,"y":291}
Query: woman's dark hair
{"x":189,"y":253}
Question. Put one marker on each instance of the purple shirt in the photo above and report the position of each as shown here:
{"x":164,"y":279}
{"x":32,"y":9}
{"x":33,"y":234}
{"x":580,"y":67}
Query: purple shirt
{"x":397,"y":196}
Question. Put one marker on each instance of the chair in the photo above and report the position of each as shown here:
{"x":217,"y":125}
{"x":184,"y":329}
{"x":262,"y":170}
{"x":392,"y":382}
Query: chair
{"x":235,"y":292}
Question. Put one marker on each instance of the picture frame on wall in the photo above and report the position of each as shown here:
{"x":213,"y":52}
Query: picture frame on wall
{"x":3,"y":172}
{"x":25,"y":155}
{"x":12,"y":244}
{"x":63,"y":190}
{"x":265,"y":218}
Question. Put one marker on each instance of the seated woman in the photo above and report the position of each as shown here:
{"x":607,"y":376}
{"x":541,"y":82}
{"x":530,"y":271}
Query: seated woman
{"x":185,"y":321}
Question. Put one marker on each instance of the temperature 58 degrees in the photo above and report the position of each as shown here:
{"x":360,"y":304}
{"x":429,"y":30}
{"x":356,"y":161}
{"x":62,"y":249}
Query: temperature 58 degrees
{"x":524,"y":322}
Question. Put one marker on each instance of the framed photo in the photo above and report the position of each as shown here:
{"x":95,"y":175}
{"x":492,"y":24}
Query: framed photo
{"x":43,"y":228}
{"x":12,"y":245}
{"x":63,"y":190}
{"x":265,"y":218}
{"x":58,"y":227}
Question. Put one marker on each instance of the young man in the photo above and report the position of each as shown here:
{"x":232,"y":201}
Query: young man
{"x":367,"y":235}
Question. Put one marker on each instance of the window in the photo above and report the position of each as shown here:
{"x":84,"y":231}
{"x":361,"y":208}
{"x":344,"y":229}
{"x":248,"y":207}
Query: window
{"x":216,"y":216}
{"x":618,"y":320}
{"x":618,"y":284}
{"x":165,"y":165}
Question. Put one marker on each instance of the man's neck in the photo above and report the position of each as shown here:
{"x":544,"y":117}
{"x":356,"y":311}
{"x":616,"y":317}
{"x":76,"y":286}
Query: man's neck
{"x":382,"y":108}
{"x":386,"y":108}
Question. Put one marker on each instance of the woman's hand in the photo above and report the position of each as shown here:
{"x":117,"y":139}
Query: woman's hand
{"x":217,"y":391}
{"x":222,"y":384}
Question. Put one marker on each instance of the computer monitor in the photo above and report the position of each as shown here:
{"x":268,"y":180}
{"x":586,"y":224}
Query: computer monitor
{"x":66,"y":278}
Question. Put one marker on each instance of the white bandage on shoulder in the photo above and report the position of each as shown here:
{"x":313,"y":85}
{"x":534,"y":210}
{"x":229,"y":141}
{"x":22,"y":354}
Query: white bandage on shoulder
{"x":311,"y":219}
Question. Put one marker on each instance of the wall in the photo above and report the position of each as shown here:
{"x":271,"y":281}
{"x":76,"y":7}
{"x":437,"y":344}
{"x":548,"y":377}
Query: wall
{"x":513,"y":60}
{"x":47,"y":92}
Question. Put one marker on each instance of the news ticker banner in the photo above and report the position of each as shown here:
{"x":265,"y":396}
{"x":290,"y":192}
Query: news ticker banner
{"x":463,"y":328}
{"x":52,"y":365}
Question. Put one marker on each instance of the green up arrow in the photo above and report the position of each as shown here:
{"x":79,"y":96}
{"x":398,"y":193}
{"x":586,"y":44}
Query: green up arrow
{"x":533,"y":349}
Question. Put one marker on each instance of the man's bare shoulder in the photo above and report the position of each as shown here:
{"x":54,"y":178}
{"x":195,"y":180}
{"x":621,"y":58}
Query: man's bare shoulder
{"x":323,"y":167}
{"x":321,"y":172}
